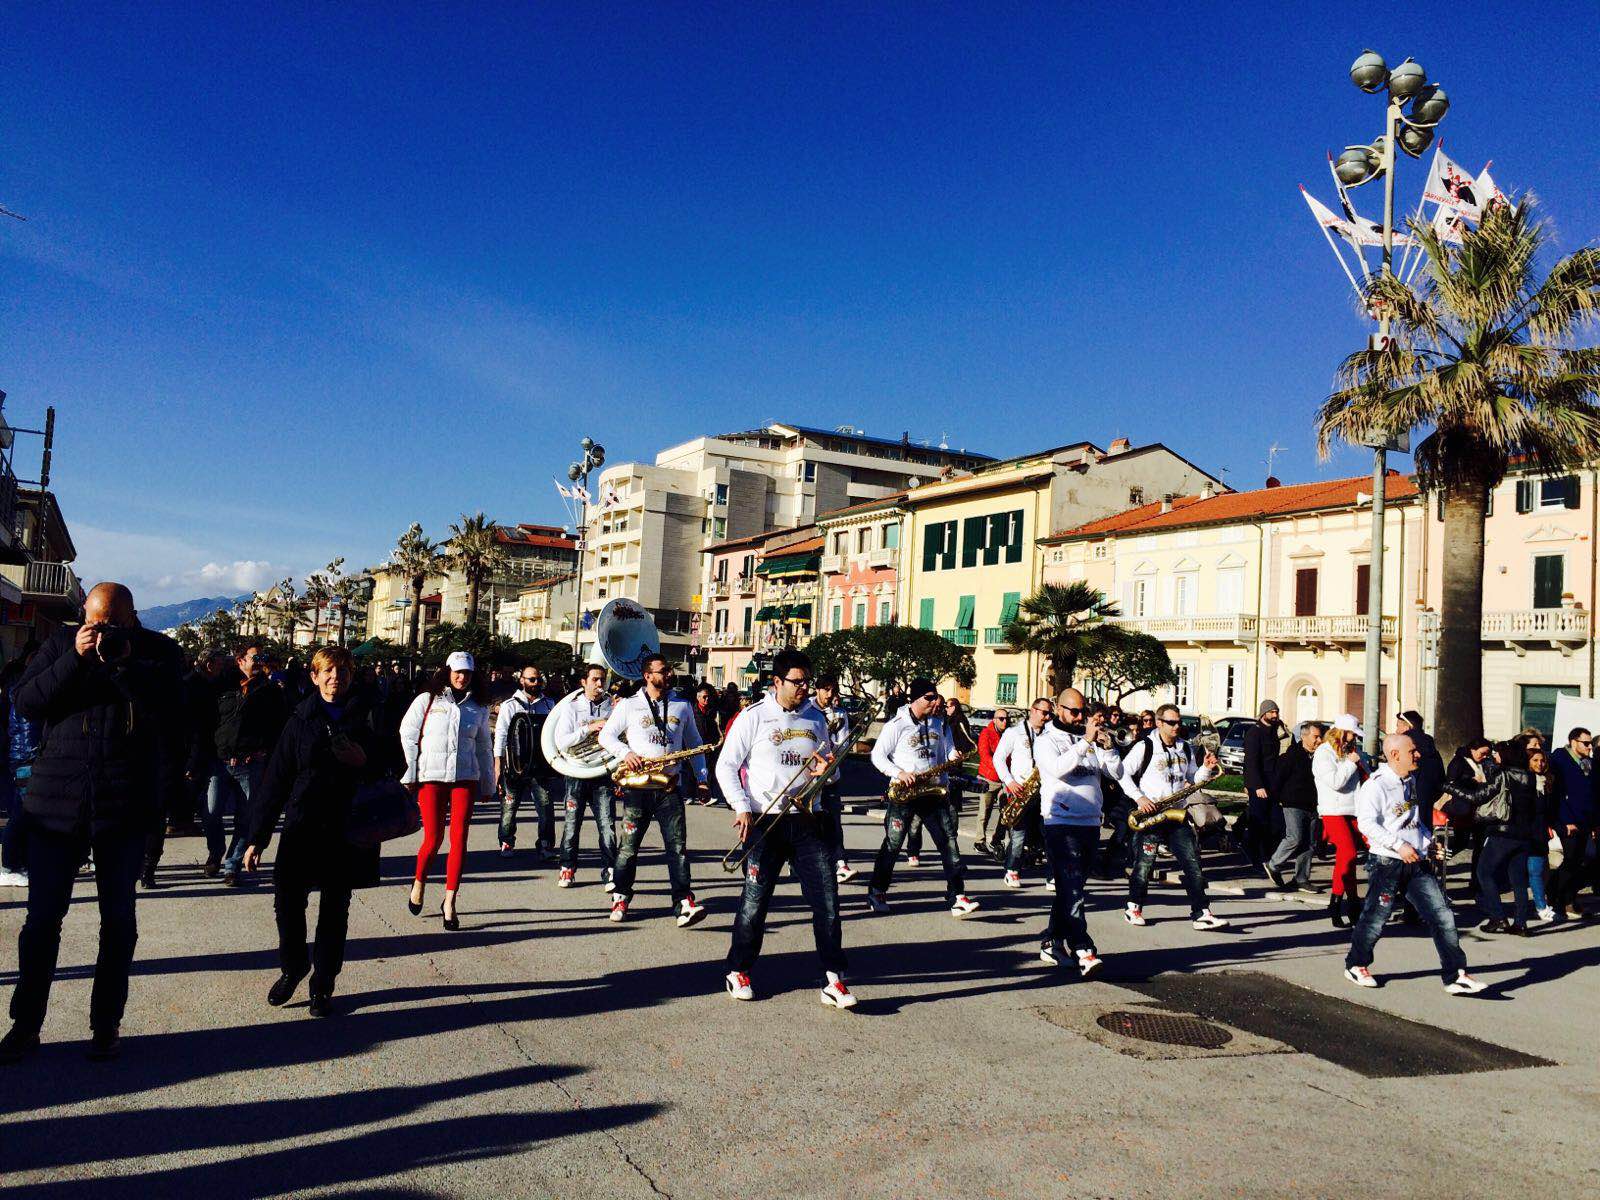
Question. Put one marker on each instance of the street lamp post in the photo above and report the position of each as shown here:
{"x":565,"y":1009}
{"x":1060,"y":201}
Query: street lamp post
{"x":594,"y":457}
{"x":1413,"y":133}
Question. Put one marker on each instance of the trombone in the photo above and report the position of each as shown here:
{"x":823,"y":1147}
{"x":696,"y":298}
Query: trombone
{"x":781,"y":801}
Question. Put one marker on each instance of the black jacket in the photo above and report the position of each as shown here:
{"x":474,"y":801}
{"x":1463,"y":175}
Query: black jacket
{"x":200,"y":698}
{"x":1430,"y":768}
{"x":1261,"y":751}
{"x":1527,"y":819}
{"x":113,"y":736}
{"x":1460,"y":769}
{"x":1295,"y":786}
{"x":312,"y":791}
{"x":250,"y":716}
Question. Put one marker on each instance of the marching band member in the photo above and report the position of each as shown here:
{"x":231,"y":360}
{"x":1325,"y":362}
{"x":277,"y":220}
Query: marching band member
{"x":915,"y":739}
{"x":586,"y":714}
{"x":1014,"y":763}
{"x":1157,"y":766}
{"x":826,"y":698}
{"x":649,"y":724}
{"x":1071,"y":767}
{"x":528,"y":698}
{"x":773,"y":740}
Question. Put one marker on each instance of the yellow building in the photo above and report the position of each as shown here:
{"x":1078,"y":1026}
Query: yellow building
{"x":968,"y":556}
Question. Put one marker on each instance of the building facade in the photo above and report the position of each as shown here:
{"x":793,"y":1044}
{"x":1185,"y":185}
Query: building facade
{"x":727,"y":626}
{"x":860,"y":565}
{"x":39,"y":590}
{"x":542,"y":609}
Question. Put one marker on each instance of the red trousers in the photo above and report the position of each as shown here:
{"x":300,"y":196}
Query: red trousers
{"x":1347,"y":845}
{"x":432,"y":799}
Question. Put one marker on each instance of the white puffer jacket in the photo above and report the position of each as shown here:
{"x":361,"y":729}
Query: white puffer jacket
{"x":1338,"y":780}
{"x":456,"y":743}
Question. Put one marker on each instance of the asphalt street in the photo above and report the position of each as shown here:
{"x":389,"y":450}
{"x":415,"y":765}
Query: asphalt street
{"x":543,"y":1051}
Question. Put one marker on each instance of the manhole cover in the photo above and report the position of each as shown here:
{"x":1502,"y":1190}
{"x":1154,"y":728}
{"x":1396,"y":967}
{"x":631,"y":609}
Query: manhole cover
{"x":1172,"y":1029}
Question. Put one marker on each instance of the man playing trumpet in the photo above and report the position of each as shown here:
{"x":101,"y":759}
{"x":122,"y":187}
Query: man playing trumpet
{"x":784,"y":745}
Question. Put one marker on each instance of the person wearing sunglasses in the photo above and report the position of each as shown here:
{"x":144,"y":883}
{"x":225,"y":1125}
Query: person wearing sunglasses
{"x":1014,"y":762}
{"x":1154,"y":769}
{"x":915,"y":739}
{"x":782,"y":744}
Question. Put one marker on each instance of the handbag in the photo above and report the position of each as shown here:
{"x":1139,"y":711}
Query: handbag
{"x":381,"y":812}
{"x":1497,"y":808}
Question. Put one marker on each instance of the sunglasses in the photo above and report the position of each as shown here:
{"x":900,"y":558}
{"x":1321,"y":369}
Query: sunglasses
{"x":933,"y":697}
{"x":1170,"y":724}
{"x":1068,"y":708}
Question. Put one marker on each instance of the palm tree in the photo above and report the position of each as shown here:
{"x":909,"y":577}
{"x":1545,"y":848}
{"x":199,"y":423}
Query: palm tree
{"x":474,"y":550}
{"x":415,"y":558}
{"x":319,"y":590}
{"x":1062,"y":623}
{"x":1483,"y":353}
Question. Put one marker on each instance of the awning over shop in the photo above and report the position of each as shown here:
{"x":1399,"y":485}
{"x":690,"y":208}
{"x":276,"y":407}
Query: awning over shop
{"x":790,"y":564}
{"x":750,"y":668}
{"x":799,"y":612}
{"x":768,"y":612}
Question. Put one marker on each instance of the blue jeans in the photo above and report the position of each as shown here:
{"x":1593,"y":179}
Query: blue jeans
{"x":1511,"y":855}
{"x":940,"y":820}
{"x":542,"y":793}
{"x":231,"y":787}
{"x":1537,"y":863}
{"x":595,"y":795}
{"x":1071,"y":850}
{"x":807,"y":842}
{"x":1179,"y":838}
{"x":665,"y":808}
{"x":833,"y":806}
{"x":1389,"y":879}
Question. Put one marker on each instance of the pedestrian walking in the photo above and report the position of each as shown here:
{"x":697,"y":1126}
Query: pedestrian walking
{"x":538,"y":784}
{"x":108,"y":694}
{"x":450,"y":760}
{"x":1264,"y":742}
{"x":329,"y":747}
{"x":1509,"y":809}
{"x":1337,"y":768}
{"x":989,"y":798}
{"x":1577,"y":813}
{"x":1296,"y":790}
{"x":21,"y":745}
{"x":251,"y":711}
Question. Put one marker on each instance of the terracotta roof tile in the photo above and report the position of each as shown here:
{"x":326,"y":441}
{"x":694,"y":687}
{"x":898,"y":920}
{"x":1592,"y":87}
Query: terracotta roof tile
{"x":1229,"y":507}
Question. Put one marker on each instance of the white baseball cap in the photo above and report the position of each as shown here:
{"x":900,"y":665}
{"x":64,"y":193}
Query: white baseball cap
{"x":1348,"y":723}
{"x":461,"y":661}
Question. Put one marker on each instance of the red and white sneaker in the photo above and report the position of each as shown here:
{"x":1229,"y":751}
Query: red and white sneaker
{"x":836,"y":995}
{"x":619,"y":908}
{"x":1088,"y":962}
{"x":1360,"y":976}
{"x":844,"y":873}
{"x":1013,"y":879}
{"x":1465,"y":985}
{"x":566,"y":877}
{"x":505,"y":849}
{"x":738,"y":985}
{"x":1133,"y":915}
{"x":1208,"y":920}
{"x":689,"y":912}
{"x":963,"y":906}
{"x":913,"y":860}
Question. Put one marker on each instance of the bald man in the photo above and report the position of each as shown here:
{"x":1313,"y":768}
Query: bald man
{"x":110,"y":695}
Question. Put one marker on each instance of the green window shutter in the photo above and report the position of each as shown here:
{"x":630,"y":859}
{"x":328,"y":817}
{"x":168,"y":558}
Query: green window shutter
{"x":964,"y":612}
{"x":1524,"y":495}
{"x":1005,"y":689}
{"x":1548,"y":573}
{"x":1570,"y":483}
{"x":1009,"y":603}
{"x":972,"y":530}
{"x":925,"y":614}
{"x":931,"y":537}
{"x":1014,"y":537}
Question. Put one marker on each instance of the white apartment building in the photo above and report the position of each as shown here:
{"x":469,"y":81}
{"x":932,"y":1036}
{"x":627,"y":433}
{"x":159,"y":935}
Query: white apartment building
{"x":539,"y":610}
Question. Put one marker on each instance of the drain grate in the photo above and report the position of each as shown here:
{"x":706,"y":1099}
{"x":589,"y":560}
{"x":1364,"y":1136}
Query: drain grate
{"x":1170,"y":1029}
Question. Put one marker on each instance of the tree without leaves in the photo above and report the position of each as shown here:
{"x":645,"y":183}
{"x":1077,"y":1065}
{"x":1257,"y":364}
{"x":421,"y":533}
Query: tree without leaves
{"x":1062,"y":623}
{"x":474,"y":550}
{"x":1483,"y":353}
{"x":1120,"y":666}
{"x":890,"y":656}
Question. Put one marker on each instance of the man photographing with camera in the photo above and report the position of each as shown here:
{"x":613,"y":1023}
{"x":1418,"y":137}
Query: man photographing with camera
{"x":109,"y":696}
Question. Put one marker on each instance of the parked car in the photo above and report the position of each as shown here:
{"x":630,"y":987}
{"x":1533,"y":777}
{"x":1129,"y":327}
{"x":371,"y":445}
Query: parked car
{"x":1231,"y":755}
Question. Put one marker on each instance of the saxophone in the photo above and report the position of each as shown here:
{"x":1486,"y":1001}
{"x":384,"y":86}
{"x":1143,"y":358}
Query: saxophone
{"x":651,"y":773}
{"x":1014,"y":804}
{"x":926,"y":782}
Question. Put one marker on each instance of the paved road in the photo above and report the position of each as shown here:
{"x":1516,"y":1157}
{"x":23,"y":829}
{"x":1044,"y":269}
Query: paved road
{"x":543,"y":1051}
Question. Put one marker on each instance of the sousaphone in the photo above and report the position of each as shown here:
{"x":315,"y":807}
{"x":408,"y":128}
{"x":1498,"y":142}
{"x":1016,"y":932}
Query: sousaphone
{"x":625,"y":635}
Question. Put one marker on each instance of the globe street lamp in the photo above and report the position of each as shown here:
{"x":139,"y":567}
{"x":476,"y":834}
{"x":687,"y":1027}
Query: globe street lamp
{"x":1412,"y":132}
{"x":594,"y":457}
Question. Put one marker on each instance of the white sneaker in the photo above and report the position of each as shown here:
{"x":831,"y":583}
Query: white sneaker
{"x":1088,"y":962}
{"x":1208,"y":920}
{"x":566,"y":877}
{"x":877,"y":902}
{"x":738,"y":985}
{"x":1013,"y":880}
{"x":1133,"y":915}
{"x":1465,"y":985}
{"x":689,"y":912}
{"x":963,"y":906}
{"x":13,"y":879}
{"x":619,"y":908}
{"x":913,"y":860}
{"x":1360,"y":976}
{"x":844,"y":873}
{"x":836,"y":995}
{"x":1047,"y":954}
{"x":1051,"y":883}
{"x":1546,"y":915}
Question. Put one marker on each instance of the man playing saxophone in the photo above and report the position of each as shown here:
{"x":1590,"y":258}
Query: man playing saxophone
{"x":784,"y":744}
{"x":914,"y":742}
{"x":584,"y":717}
{"x":646,"y":726}
{"x":1014,"y":763}
{"x":1072,"y":758}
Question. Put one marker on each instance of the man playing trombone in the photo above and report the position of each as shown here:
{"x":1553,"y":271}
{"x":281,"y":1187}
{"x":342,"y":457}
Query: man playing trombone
{"x":784,"y":745}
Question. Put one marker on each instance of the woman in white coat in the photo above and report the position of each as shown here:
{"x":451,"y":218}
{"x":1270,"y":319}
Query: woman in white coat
{"x":449,"y":761}
{"x":1338,"y":770}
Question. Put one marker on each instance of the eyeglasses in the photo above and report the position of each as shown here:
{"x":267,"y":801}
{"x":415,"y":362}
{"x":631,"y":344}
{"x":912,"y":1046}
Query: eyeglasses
{"x":1169,"y":724}
{"x":802,"y":682}
{"x":1585,"y":741}
{"x":1041,"y":708}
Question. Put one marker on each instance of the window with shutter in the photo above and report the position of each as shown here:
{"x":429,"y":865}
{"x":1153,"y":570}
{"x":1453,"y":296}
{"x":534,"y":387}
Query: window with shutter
{"x":1524,"y":495}
{"x":861,"y":615}
{"x":1305,"y":592}
{"x":973,"y":530}
{"x":931,"y":536}
{"x":925,"y":614}
{"x":1009,"y":603}
{"x":1549,"y":577}
{"x":1363,"y":582}
{"x":1014,"y":538}
{"x":964,"y":612}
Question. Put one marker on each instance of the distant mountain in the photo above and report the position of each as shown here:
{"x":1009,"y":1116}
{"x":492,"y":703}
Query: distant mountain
{"x":170,"y":616}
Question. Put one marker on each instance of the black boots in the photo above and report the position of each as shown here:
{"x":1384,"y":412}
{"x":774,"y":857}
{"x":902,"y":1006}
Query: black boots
{"x":1337,"y":914}
{"x":283,"y":990}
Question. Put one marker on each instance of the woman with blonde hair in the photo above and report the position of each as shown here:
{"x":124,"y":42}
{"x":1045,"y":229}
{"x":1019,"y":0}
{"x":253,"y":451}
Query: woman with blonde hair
{"x":1338,"y":771}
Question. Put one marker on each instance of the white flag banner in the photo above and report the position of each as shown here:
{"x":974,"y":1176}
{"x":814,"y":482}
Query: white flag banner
{"x":1487,"y":191}
{"x":1449,"y":226}
{"x":1370,"y":233}
{"x":1326,"y":217}
{"x":609,"y":498}
{"x":562,"y":490}
{"x":579,"y":492}
{"x":1452,"y":187}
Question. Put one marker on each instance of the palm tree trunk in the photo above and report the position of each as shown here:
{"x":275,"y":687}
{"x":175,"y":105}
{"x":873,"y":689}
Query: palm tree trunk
{"x":316,"y":624}
{"x":344,"y":619}
{"x":473,"y":586}
{"x":416,"y":613}
{"x":1458,"y":703}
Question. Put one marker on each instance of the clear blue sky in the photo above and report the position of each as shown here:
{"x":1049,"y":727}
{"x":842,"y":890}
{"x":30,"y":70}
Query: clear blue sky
{"x":296,"y":275}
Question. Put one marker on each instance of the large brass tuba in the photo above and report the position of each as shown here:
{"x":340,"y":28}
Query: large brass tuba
{"x":624,"y":635}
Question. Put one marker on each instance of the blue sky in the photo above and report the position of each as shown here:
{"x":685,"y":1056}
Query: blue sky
{"x":297,"y":275}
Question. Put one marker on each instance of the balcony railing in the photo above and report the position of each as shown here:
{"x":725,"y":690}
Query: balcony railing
{"x":1196,"y":629}
{"x":1322,"y":631}
{"x":1519,"y":628}
{"x":745,"y":585}
{"x":719,"y":588}
{"x":994,"y":636}
{"x":881,"y":558}
{"x":832,"y":564}
{"x":51,"y":581}
{"x":961,"y":637}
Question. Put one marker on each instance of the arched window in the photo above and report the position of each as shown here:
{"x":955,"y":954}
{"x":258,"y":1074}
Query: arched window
{"x":1306,"y":703}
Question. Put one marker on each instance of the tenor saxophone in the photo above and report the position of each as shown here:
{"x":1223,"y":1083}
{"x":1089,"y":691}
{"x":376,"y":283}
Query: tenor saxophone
{"x":926,"y":782}
{"x":1014,"y":804}
{"x":651,"y":772}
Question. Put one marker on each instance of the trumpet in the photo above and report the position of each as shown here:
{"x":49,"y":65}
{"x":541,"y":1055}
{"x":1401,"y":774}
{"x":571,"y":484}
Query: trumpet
{"x":651,"y":772}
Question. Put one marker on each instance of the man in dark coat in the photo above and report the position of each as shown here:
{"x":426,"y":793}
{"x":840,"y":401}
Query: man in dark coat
{"x":250,"y":715}
{"x":1263,"y":743}
{"x":1296,"y":791}
{"x":110,"y":699}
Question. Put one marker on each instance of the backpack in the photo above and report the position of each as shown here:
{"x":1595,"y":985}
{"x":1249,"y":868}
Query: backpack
{"x":1148,"y":744}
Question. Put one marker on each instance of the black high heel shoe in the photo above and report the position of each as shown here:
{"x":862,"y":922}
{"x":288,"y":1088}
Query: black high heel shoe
{"x":1337,"y":913}
{"x":414,"y":907}
{"x":451,"y":923}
